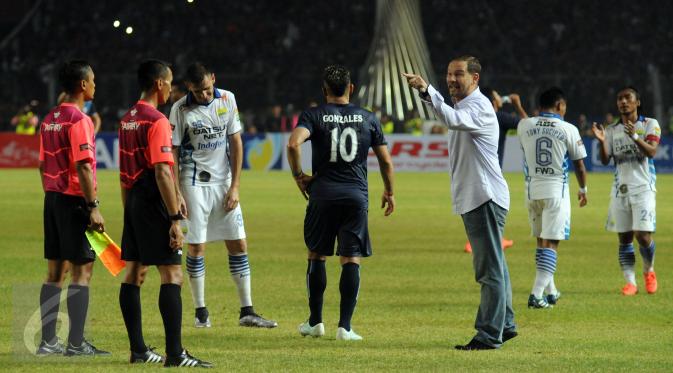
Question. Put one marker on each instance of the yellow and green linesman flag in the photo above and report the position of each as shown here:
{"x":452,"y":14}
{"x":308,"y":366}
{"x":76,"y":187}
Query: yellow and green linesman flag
{"x":109,"y":253}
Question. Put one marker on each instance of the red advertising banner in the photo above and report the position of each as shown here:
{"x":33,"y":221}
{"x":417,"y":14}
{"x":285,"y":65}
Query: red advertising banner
{"x":415,"y":153}
{"x":19,"y":150}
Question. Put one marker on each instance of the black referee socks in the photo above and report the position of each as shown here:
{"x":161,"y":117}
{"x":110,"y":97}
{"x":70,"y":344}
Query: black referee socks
{"x":50,"y":299}
{"x":129,"y":302}
{"x":170,"y":306}
{"x":78,"y":306}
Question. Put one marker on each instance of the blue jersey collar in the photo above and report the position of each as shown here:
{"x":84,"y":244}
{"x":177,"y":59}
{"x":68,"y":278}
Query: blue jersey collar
{"x":191,"y":100}
{"x":551,"y":115}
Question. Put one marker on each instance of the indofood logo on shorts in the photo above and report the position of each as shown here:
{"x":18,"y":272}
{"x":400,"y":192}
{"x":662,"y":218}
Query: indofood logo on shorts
{"x":263,"y":152}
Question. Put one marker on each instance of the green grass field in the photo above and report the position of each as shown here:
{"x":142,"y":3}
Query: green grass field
{"x":418,"y":296}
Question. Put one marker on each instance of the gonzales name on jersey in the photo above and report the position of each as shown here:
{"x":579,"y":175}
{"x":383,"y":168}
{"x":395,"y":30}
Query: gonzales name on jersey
{"x":341,"y":135}
{"x":201,"y":131}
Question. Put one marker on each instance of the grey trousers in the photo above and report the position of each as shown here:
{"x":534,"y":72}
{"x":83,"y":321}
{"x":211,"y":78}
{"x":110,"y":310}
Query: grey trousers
{"x":484,"y":226}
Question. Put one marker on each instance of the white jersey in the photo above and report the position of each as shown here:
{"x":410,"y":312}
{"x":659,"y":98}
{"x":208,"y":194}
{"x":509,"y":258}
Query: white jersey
{"x":547,"y":141}
{"x":635,"y":172}
{"x":201,"y":132}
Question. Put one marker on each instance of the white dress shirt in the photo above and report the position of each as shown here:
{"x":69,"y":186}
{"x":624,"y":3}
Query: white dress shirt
{"x":476,"y":176}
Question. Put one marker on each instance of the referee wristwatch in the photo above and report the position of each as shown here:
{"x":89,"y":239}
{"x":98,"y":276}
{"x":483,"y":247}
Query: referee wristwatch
{"x":177,"y":216}
{"x":93,"y":204}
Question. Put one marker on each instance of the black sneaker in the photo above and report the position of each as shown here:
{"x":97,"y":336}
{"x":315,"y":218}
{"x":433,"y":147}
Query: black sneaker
{"x":201,"y":319}
{"x":507,"y":335}
{"x":147,"y":357}
{"x":186,"y":360}
{"x":474,"y":345}
{"x":85,"y":349}
{"x":45,"y":349}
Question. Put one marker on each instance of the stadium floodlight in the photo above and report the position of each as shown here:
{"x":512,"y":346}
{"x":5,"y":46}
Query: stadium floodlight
{"x":116,"y":23}
{"x":129,"y":30}
{"x":190,"y":1}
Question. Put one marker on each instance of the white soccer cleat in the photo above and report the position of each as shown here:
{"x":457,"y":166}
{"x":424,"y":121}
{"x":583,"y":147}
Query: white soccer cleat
{"x":345,"y":335}
{"x":318,"y":330}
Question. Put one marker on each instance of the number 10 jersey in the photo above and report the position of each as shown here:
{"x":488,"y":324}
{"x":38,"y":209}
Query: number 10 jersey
{"x":341,"y":135}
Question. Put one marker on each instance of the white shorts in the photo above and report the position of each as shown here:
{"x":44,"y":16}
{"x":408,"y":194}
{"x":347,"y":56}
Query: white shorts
{"x":207,"y":220}
{"x":635,"y":212}
{"x":549,"y":218}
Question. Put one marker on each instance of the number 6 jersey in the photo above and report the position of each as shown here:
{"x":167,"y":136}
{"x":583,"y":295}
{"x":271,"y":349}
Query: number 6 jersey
{"x":547,"y":141}
{"x":341,"y":135}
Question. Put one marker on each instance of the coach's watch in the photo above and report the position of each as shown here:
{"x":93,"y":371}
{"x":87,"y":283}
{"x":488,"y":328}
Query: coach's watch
{"x":177,"y":216}
{"x":93,"y":204}
{"x":423,"y":92}
{"x":297,"y":174}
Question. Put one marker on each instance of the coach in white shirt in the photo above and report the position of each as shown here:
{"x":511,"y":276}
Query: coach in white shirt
{"x":478,"y":191}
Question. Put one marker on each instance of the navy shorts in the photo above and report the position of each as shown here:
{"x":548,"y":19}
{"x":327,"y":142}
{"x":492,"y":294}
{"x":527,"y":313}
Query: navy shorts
{"x":145,"y":237}
{"x":66,"y":219}
{"x":330,"y":221}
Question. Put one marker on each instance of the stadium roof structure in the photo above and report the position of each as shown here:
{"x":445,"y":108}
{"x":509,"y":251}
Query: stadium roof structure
{"x":398,"y":46}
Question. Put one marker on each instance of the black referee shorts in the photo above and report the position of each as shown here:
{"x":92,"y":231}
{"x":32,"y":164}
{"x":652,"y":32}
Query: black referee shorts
{"x":327,"y":221}
{"x":65,"y":222}
{"x":146,"y":224}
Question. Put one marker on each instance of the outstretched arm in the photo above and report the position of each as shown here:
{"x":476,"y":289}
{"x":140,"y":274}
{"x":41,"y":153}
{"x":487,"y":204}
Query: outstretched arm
{"x":461,"y":120}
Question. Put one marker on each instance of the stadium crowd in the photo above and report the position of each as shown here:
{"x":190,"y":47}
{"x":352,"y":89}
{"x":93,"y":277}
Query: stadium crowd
{"x":589,"y":49}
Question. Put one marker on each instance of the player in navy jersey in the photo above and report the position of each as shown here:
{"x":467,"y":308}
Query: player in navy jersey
{"x":341,"y":135}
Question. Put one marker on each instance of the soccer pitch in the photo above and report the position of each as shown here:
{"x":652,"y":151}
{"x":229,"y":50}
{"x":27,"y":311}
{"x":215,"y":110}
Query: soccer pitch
{"x":418,"y":296}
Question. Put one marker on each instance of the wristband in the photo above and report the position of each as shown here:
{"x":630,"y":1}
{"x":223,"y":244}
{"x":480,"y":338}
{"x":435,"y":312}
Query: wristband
{"x":296,"y":175}
{"x":583,"y":190}
{"x":635,"y":137}
{"x":177,"y":216}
